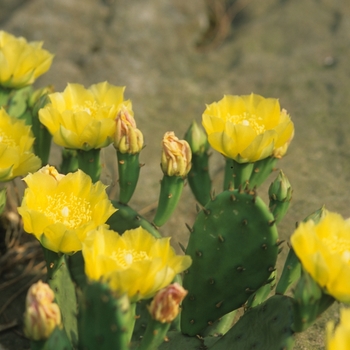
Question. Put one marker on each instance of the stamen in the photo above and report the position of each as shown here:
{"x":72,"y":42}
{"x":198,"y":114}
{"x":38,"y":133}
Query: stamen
{"x":70,"y":210}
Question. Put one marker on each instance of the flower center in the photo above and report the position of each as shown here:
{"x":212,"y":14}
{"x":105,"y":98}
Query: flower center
{"x":69,"y":210}
{"x":90,"y":107}
{"x":248,"y":119}
{"x":339,"y":247}
{"x":126,"y":257}
{"x":6,"y":139}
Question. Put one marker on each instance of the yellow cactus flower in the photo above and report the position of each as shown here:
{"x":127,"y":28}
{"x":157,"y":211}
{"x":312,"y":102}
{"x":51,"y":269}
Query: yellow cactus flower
{"x":176,"y":155}
{"x":165,"y":306}
{"x":324,"y":251}
{"x":248,"y":128}
{"x":135,"y":263}
{"x":127,"y":138}
{"x":338,"y":338}
{"x":61,"y":209}
{"x":42,"y":315}
{"x":16,"y":151}
{"x":80,"y":118}
{"x":21,"y":62}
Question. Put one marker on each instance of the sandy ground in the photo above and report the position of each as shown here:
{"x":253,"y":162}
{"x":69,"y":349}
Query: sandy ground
{"x":296,"y":51}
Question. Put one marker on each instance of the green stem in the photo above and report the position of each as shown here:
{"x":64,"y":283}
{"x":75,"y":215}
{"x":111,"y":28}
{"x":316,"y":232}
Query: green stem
{"x":237,"y":174}
{"x":126,"y":218}
{"x":69,"y":161}
{"x":154,"y":335}
{"x":129,"y":171}
{"x":132,"y":320}
{"x":220,"y":326}
{"x":89,"y":162}
{"x":170,"y":192}
{"x":199,"y":179}
{"x":261,"y":170}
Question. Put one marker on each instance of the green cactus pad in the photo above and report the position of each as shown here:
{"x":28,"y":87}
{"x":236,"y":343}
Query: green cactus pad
{"x":233,"y":246}
{"x":104,"y":320}
{"x":265,"y":327}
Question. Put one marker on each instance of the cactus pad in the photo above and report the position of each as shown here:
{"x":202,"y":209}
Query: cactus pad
{"x":233,"y":246}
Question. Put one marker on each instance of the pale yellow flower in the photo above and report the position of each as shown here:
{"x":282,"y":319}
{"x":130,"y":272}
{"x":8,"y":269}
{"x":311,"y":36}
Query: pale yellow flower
{"x":338,"y":338}
{"x":248,"y":128}
{"x":21,"y":62}
{"x":176,"y":155}
{"x":42,"y":315}
{"x":16,"y":151}
{"x":135,"y":263}
{"x":324,"y":251}
{"x":165,"y":306}
{"x":80,"y":118}
{"x":60,"y":209}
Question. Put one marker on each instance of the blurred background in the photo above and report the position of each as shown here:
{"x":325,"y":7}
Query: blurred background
{"x":175,"y":56}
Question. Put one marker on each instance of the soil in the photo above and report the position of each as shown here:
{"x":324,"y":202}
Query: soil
{"x":174,"y":56}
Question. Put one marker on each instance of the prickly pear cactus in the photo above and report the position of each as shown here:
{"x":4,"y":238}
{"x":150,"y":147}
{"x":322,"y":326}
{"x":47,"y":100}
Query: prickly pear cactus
{"x":234,"y":247}
{"x":103,"y":319}
{"x":267,"y":326}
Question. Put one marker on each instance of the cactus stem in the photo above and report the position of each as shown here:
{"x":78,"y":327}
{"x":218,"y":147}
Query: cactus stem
{"x":221,"y":239}
{"x":271,"y":222}
{"x":182,"y":247}
{"x":189,"y":227}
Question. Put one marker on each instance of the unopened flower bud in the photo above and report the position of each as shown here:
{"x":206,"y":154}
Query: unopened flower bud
{"x":36,"y":96}
{"x":197,"y":139}
{"x":280,"y":190}
{"x":176,"y":155}
{"x":280,"y":194}
{"x":164,"y":307}
{"x":42,"y":315}
{"x":127,"y":138}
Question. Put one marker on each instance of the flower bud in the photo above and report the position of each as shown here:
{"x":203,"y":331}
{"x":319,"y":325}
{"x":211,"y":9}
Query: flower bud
{"x":42,"y":315}
{"x":280,"y":190}
{"x":127,"y":138}
{"x":165,"y":305}
{"x":36,"y":96}
{"x":197,"y":139}
{"x":176,"y":155}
